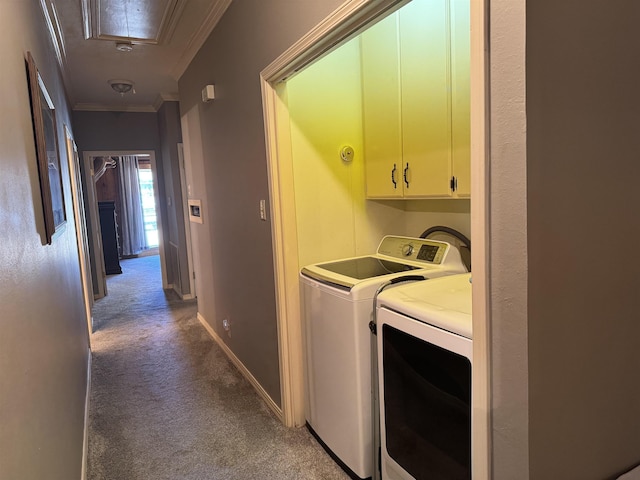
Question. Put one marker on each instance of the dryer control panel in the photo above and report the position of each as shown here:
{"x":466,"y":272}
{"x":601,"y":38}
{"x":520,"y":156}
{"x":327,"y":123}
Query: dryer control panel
{"x":415,"y":249}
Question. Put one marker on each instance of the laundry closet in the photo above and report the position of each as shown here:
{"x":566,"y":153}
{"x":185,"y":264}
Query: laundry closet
{"x":379,"y":131}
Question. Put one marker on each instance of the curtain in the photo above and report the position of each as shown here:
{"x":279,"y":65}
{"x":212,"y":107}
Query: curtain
{"x":132,"y":239}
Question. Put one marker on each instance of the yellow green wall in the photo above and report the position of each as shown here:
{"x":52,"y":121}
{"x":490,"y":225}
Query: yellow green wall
{"x":334,"y":219}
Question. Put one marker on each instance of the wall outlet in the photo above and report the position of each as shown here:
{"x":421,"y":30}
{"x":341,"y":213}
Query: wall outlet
{"x":226,"y":324}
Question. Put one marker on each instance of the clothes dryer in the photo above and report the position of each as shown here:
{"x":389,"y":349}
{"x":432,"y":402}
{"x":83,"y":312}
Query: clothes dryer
{"x":424,"y":333}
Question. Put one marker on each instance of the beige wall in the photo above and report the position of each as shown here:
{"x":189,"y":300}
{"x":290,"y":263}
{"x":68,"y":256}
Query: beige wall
{"x":43,"y":344}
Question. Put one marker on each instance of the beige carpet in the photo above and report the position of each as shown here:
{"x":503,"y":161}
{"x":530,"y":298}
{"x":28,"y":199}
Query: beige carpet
{"x":167,"y":404}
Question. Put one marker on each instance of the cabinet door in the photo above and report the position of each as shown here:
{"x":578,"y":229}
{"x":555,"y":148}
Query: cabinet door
{"x":381,"y":109}
{"x":460,"y":96}
{"x":426,"y":116}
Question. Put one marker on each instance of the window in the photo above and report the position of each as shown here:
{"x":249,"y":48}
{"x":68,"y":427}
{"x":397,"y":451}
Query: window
{"x":148,"y":206}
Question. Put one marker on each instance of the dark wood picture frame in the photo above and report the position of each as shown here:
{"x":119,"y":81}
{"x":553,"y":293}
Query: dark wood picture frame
{"x":49,"y":166}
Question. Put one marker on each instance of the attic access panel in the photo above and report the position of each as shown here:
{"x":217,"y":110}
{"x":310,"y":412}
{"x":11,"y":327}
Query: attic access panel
{"x":139,"y":21}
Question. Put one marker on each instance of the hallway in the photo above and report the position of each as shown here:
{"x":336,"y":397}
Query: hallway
{"x":167,"y":404}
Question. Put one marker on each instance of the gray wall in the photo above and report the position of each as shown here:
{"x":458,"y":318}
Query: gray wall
{"x":43,"y":341}
{"x":508,"y":242}
{"x":114,"y":131}
{"x":565,"y":360}
{"x":251,"y":34}
{"x":160,"y":132}
{"x":170,"y":135}
{"x":583,"y":167}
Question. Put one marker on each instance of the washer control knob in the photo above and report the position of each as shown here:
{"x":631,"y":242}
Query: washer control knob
{"x":407,"y":250}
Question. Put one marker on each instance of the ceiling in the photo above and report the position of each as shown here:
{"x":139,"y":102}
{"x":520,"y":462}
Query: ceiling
{"x":164,"y":35}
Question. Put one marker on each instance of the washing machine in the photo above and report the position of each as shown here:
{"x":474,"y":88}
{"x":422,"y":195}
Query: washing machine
{"x":337,"y":306}
{"x":424,"y":348}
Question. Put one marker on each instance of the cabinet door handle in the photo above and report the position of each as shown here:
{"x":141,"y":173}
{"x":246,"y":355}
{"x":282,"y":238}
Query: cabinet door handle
{"x":404,"y":174}
{"x":393,"y":176}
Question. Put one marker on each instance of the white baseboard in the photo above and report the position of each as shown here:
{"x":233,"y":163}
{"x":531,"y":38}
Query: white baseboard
{"x":245,"y":372}
{"x":85,"y":440}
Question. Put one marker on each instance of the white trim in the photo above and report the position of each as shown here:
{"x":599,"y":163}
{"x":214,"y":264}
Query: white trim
{"x":59,"y":32}
{"x":81,"y":229}
{"x":85,"y":436}
{"x":52,"y":34}
{"x":187,"y":220}
{"x":337,"y":27}
{"x":285,"y":256}
{"x":93,"y":217}
{"x":243,"y":370}
{"x":480,"y":222}
{"x":200,"y":36}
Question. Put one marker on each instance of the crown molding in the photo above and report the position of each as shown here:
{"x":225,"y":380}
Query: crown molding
{"x":165,"y":97}
{"x":199,"y":37}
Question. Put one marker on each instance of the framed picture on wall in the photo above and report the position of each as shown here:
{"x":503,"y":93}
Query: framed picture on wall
{"x":46,"y":139}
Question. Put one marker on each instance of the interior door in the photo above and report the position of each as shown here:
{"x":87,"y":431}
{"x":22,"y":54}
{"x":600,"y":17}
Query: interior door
{"x":81,"y":227}
{"x":99,"y":277}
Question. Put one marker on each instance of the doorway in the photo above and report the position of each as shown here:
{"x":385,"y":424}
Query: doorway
{"x":343,"y":25}
{"x":108,"y":181}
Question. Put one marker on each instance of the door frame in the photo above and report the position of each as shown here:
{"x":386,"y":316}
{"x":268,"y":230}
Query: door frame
{"x":81,"y":227}
{"x":187,"y":222}
{"x":95,"y":222}
{"x":342,"y":24}
{"x":93,"y":218}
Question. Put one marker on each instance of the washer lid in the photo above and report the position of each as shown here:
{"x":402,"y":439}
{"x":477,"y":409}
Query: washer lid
{"x":365,"y":267}
{"x":442,"y":302}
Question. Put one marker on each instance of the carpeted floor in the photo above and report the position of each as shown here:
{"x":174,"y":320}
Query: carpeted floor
{"x":167,"y":404}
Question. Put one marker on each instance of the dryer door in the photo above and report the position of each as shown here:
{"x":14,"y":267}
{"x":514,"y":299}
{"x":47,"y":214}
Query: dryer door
{"x":425,"y":400}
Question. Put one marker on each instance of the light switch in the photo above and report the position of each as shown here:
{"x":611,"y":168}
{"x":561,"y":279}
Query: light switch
{"x":263,"y":210}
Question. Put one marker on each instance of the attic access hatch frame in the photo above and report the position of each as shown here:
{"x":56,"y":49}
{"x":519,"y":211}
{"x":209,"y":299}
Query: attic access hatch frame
{"x":340,"y":26}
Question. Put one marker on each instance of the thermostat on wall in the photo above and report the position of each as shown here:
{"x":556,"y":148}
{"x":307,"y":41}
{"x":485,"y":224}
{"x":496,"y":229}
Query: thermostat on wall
{"x":195,"y":211}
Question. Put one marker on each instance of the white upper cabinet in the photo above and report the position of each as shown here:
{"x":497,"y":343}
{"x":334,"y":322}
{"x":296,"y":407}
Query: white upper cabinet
{"x":415,"y":75}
